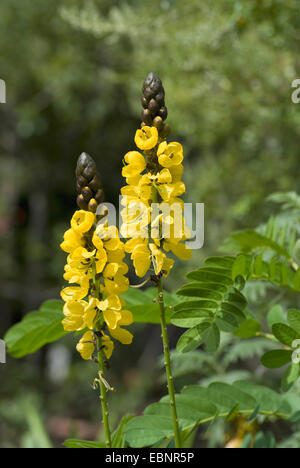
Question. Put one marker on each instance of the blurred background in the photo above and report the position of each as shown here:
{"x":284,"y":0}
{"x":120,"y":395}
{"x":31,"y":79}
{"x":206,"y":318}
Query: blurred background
{"x":74,"y":72}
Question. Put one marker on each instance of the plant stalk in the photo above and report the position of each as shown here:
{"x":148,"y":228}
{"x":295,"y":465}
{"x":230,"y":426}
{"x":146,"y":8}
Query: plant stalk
{"x":103,"y":398}
{"x":167,"y":363}
{"x":103,"y":390}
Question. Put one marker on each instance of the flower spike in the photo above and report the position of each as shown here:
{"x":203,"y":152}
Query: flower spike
{"x":88,"y":184}
{"x":154,"y":111}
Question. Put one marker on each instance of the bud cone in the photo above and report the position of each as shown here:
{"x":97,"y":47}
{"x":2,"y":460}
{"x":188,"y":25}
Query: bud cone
{"x":88,"y":184}
{"x":154,"y":111}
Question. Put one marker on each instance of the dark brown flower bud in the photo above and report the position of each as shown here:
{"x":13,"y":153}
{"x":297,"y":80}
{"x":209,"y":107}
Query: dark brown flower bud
{"x":153,"y":106}
{"x":144,"y":102}
{"x":82,"y":203}
{"x":153,"y":102}
{"x":160,"y":98}
{"x":158,"y":123}
{"x":165,"y":131}
{"x":87,"y":194}
{"x":148,"y":93}
{"x":146,"y":116}
{"x":92,"y":206}
{"x":89,"y":187}
{"x":163,"y":112}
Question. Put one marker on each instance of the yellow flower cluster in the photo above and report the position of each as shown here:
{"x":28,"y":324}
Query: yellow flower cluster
{"x":96,"y":271}
{"x":152,"y":235}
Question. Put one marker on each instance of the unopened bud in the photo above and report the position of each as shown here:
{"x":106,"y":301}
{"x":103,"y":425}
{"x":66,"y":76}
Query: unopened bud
{"x":88,"y":184}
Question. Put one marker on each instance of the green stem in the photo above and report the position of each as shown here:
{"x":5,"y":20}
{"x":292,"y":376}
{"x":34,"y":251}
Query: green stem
{"x":268,"y":336}
{"x":171,"y":388}
{"x":294,"y":265}
{"x":103,"y":398}
{"x":103,"y":390}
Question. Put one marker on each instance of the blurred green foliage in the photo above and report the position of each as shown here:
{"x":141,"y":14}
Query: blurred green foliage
{"x":73,"y":72}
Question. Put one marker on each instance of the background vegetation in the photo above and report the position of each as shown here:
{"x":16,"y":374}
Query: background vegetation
{"x":73,"y":71}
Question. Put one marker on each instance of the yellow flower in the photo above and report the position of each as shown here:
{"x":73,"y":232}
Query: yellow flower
{"x":141,"y":259}
{"x":91,"y":312}
{"x":82,"y":221}
{"x":136,"y":164}
{"x":167,"y":266}
{"x":74,"y":275}
{"x":130,"y":245}
{"x":74,"y":312}
{"x":124,"y":336}
{"x":115,"y":256}
{"x":146,"y":138}
{"x":96,"y":240}
{"x":180,"y":250}
{"x":115,"y":281}
{"x":111,"y":308}
{"x":76,"y":293}
{"x":170,"y":154}
{"x":114,"y":269}
{"x":176,"y":173}
{"x":133,"y":180}
{"x":107,"y":237}
{"x":100,"y":260}
{"x":118,"y":285}
{"x":169,"y":191}
{"x":80,"y":258}
{"x":158,"y":258}
{"x":136,"y":217}
{"x":72,"y":240}
{"x":107,"y":345}
{"x":86,"y":346}
{"x":162,"y":177}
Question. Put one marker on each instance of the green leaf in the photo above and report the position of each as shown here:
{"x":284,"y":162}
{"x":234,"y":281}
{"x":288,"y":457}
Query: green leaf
{"x":141,"y":304}
{"x":224,"y":262}
{"x":195,"y":305}
{"x":276,"y":358}
{"x":296,"y":251}
{"x":212,"y":339}
{"x":234,"y":411}
{"x":189,"y":408}
{"x":241,"y":266}
{"x":79,"y":444}
{"x":36,"y":330}
{"x":269,"y":401}
{"x":248,"y":329}
{"x":147,"y":430}
{"x":289,"y":377}
{"x":210,"y":275}
{"x":275,"y":315}
{"x":197,"y":290}
{"x":290,"y":200}
{"x":233,"y":310}
{"x":218,"y":300}
{"x":250,"y":240}
{"x":296,"y":280}
{"x":226,"y":322}
{"x":293,"y":317}
{"x":200,"y":405}
{"x":193,"y":338}
{"x":254,"y":415}
{"x":118,"y":440}
{"x":285,"y":334}
{"x":190,"y":318}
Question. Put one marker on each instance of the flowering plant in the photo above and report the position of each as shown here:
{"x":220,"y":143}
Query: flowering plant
{"x":212,"y":304}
